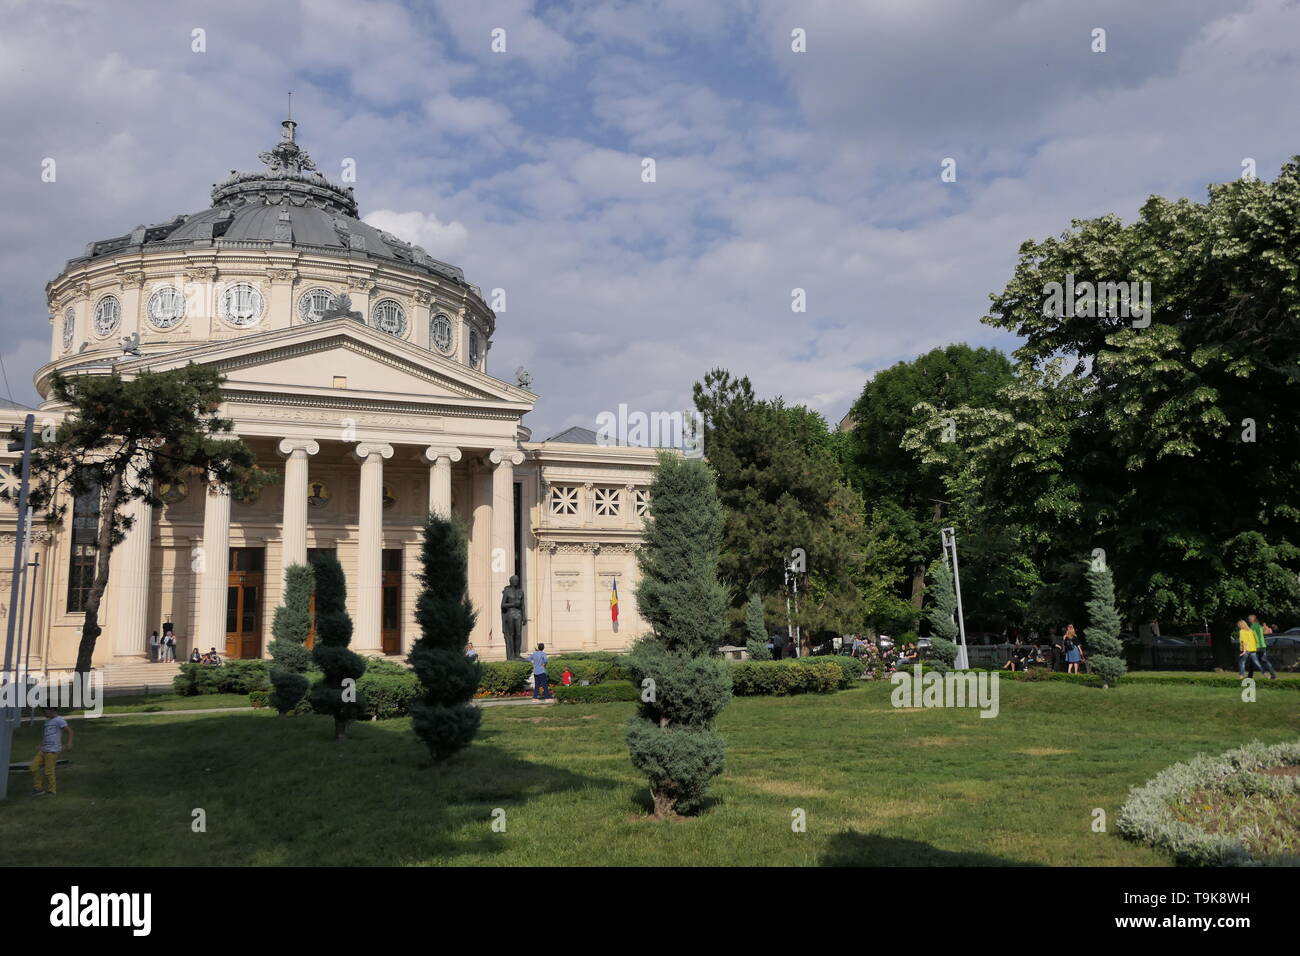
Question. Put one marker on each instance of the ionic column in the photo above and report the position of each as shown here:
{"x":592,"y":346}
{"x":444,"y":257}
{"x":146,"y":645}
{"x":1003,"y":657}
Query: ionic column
{"x":130,"y":581}
{"x":214,"y":569}
{"x":293,"y":534}
{"x":440,"y":478}
{"x":370,"y":547}
{"x":593,"y":549}
{"x":501,"y":555}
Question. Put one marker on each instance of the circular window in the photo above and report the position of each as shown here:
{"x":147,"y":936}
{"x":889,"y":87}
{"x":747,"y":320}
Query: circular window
{"x":390,"y":317}
{"x":320,"y":494}
{"x":241,"y":305}
{"x":166,"y":307}
{"x":440,"y":333}
{"x":108,"y":315}
{"x":69,"y":327}
{"x":475,"y":347}
{"x":313,"y":304}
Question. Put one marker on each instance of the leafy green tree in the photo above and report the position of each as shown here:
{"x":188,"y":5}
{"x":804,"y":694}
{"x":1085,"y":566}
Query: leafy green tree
{"x":778,"y":477}
{"x":684,"y":686}
{"x":1105,"y":650}
{"x":1165,"y":437}
{"x":337,"y":693}
{"x":443,"y":716}
{"x":942,"y":612}
{"x":291,"y":627}
{"x":756,"y":630}
{"x":904,"y":494}
{"x":119,"y":441}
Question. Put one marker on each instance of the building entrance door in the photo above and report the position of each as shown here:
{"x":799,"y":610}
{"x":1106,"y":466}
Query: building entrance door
{"x":390,"y":607}
{"x":244,"y":603}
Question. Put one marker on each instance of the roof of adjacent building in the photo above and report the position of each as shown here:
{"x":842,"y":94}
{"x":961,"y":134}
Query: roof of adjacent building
{"x":576,"y":435}
{"x":287,"y":205}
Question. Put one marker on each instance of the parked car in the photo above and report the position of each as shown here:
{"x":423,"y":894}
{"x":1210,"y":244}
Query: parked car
{"x":1167,"y":641}
{"x":922,"y":643}
{"x":1283,"y":640}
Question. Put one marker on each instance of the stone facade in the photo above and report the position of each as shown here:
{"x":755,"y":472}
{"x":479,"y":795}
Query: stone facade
{"x":373,"y":410}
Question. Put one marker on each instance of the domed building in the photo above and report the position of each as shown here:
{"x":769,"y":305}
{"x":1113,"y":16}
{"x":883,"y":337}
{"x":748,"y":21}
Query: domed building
{"x":356,"y":366}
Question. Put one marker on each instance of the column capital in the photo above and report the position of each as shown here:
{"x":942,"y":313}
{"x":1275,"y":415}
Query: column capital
{"x":434,"y":452}
{"x":499,"y":456}
{"x":288,"y":446}
{"x":366,"y":450}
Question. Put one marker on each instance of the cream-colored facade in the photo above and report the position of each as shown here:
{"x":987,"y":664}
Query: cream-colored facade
{"x":356,"y":367}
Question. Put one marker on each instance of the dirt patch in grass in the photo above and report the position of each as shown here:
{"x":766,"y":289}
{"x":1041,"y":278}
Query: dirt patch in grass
{"x":933,"y":741}
{"x":1281,"y":771}
{"x":1042,"y":751}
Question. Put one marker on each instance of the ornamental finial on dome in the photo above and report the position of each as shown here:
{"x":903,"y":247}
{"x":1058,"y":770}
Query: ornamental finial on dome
{"x":288,"y":156}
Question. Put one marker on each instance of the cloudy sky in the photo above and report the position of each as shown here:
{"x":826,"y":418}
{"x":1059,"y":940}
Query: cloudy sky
{"x":775,"y":169}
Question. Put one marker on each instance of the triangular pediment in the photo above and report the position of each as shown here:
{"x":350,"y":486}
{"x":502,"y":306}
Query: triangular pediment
{"x":344,"y":357}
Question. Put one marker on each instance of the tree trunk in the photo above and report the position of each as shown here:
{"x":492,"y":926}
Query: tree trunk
{"x":918,"y":586}
{"x":90,"y":629}
{"x":664,"y":806}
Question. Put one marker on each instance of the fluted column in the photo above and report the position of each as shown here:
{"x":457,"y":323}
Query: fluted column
{"x":130,"y":582}
{"x":213,"y":569}
{"x":593,"y":591}
{"x":370,"y":547}
{"x":502,"y":553}
{"x":293,"y":537}
{"x":440,"y":478}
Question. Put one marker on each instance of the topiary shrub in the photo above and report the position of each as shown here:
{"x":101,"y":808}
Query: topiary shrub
{"x":388,"y":695}
{"x":499,"y":678}
{"x":593,"y":672}
{"x":291,"y":627}
{"x":442,"y":716}
{"x":1105,"y":650}
{"x":337,"y":692}
{"x":671,"y":737}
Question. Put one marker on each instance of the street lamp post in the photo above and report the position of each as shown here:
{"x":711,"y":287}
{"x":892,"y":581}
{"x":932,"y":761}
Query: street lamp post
{"x":949,"y":537}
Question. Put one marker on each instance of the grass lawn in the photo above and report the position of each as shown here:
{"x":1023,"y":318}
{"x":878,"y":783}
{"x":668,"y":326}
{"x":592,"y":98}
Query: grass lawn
{"x":879,"y":785}
{"x":139,"y":703}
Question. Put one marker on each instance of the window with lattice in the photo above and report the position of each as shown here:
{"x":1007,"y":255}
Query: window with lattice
{"x":606,"y":502}
{"x":641,"y":501}
{"x":564,"y":500}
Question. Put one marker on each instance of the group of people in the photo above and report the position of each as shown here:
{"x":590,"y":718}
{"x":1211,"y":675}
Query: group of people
{"x":162,"y":649}
{"x":1253,"y":649}
{"x":211,"y":658}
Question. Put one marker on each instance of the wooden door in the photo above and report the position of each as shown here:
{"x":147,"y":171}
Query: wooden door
{"x":244,"y":596}
{"x":390,"y":606}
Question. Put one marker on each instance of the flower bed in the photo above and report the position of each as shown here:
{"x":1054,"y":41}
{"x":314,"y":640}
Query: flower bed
{"x":1239,"y":808}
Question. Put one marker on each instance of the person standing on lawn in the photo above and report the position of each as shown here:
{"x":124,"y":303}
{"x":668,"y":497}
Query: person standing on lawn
{"x":541,"y":682}
{"x":1261,"y":647}
{"x":1070,"y":646}
{"x":1246,"y":643}
{"x":46,"y":760}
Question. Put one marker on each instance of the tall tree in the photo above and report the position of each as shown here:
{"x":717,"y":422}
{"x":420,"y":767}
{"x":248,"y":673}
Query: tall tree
{"x":779,"y":481}
{"x":1164,"y":436}
{"x":119,"y":441}
{"x":443,"y":716}
{"x":291,"y":627}
{"x":684,"y":685}
{"x":756,"y":630}
{"x":1102,"y":632}
{"x":906,"y":494}
{"x":337,"y":693}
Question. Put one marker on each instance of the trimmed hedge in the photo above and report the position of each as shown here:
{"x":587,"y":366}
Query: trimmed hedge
{"x":583,"y":669}
{"x":389,"y":695}
{"x":231,"y":677}
{"x":504,"y":677}
{"x":853,"y":667}
{"x":779,"y":678}
{"x":1147,"y":815}
{"x":605,"y":693}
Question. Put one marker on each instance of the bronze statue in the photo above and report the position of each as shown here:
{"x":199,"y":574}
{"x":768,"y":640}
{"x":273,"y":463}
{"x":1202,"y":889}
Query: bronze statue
{"x":512,"y":617}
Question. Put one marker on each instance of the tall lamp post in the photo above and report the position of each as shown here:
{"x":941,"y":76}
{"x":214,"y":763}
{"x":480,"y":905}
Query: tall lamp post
{"x":949,"y":537}
{"x":792,"y":586}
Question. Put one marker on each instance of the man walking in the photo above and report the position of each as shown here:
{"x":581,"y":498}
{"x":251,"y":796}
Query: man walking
{"x":46,"y":760}
{"x":1261,"y":647}
{"x":541,"y":683}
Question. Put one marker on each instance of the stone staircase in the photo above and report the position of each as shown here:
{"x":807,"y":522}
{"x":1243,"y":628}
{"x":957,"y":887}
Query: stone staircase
{"x":139,"y":677}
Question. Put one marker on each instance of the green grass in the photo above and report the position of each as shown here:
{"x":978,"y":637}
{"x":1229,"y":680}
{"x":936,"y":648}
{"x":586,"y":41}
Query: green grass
{"x":140,"y":703}
{"x":878,"y":785}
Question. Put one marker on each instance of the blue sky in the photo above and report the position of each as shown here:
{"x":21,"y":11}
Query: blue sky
{"x":775,"y":169}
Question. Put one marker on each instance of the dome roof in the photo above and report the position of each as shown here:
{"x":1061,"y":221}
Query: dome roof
{"x":287,"y":205}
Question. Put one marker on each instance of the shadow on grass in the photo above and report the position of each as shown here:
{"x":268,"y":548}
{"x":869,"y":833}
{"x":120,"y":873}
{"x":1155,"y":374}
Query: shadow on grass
{"x":852,"y":848}
{"x":277,"y":791}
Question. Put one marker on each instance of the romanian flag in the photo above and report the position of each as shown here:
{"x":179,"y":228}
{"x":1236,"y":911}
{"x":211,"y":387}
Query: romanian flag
{"x":613,"y":600}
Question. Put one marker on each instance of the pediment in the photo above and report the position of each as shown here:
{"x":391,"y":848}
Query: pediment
{"x":341,"y":356}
